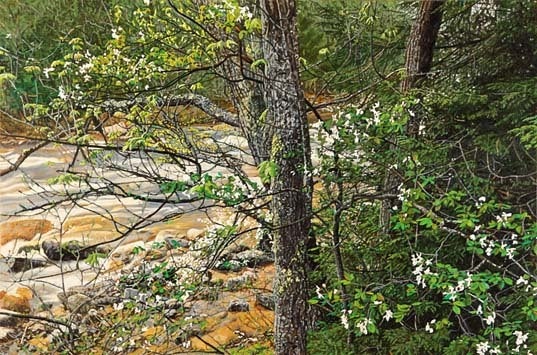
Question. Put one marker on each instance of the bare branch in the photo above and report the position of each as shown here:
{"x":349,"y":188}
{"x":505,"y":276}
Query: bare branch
{"x":34,"y":317}
{"x":22,"y":157}
{"x":199,"y":101}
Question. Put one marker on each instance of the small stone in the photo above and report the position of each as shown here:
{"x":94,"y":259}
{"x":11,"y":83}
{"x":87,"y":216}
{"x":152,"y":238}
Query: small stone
{"x":253,"y":258}
{"x":79,"y":303}
{"x":172,"y":303}
{"x":230,"y":251}
{"x":175,"y":243}
{"x":8,"y":321}
{"x":265,"y":300}
{"x":238,"y":305}
{"x":130,"y":293}
{"x":170,"y":313}
{"x":194,"y":233}
{"x":239,"y":281}
{"x":7,"y":334}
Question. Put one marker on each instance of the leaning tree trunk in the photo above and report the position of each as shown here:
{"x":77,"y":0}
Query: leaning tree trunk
{"x":418,"y":63}
{"x":291,"y":203}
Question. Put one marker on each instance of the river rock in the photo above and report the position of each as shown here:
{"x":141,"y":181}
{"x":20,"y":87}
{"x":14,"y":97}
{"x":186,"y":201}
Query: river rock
{"x":235,"y":283}
{"x":23,"y":263}
{"x":229,"y":252}
{"x":238,"y":305}
{"x":265,"y":300}
{"x":194,"y":233}
{"x":71,"y":250}
{"x":100,"y":293}
{"x":25,"y":229}
{"x":130,"y":293}
{"x":7,"y":334}
{"x":19,"y":302}
{"x":78,"y":303}
{"x":253,"y":258}
{"x":174,"y":243}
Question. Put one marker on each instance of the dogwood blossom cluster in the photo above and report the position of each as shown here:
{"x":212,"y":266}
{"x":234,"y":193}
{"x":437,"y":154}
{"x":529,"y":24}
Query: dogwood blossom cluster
{"x":362,"y":325}
{"x":421,"y":268}
{"x":345,"y":313}
{"x":453,"y":291}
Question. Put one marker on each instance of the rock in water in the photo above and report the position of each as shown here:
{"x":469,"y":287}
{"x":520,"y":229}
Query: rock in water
{"x":21,"y":263}
{"x":71,"y":250}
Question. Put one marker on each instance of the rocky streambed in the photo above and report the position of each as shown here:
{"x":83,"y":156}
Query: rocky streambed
{"x":47,"y":269}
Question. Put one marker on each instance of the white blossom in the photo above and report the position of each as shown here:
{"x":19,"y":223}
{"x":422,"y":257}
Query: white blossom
{"x":387,"y":315}
{"x":61,"y":93}
{"x":479,"y":310}
{"x":417,"y":259}
{"x":482,"y":348}
{"x":503,"y":217}
{"x":428,"y":326}
{"x":362,"y":325}
{"x":46,"y":71}
{"x":521,"y":280}
{"x":491,"y":318}
{"x":521,"y":338}
{"x":345,"y":318}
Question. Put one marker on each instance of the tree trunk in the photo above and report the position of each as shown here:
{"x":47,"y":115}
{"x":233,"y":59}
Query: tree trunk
{"x":418,"y":63}
{"x":420,"y":49}
{"x":247,"y":95}
{"x":420,"y":45}
{"x":291,"y":203}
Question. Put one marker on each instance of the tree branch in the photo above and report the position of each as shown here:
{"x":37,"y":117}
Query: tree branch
{"x":198,"y":101}
{"x":22,"y":157}
{"x":34,"y":317}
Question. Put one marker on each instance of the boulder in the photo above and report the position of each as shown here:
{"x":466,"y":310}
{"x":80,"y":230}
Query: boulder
{"x":238,"y":305}
{"x":25,"y":229}
{"x":78,"y":303}
{"x":194,"y":233}
{"x":71,"y":250}
{"x":23,"y":263}
{"x":19,"y":302}
{"x":265,"y":300}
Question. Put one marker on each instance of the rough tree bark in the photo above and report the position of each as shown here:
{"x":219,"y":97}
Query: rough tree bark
{"x":247,"y":95}
{"x":291,"y":204}
{"x":420,"y":48}
{"x":418,"y":63}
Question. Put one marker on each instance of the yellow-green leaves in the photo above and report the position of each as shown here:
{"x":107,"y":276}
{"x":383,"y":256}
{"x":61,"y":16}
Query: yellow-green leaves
{"x":267,"y":171}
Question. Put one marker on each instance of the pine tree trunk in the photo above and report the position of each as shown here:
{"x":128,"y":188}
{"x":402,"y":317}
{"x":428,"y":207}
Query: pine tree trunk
{"x":291,"y":204}
{"x":418,"y":63}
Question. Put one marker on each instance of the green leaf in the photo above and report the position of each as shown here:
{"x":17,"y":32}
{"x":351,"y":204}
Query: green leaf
{"x":93,"y":258}
{"x":267,"y":171}
{"x":456,"y":309}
